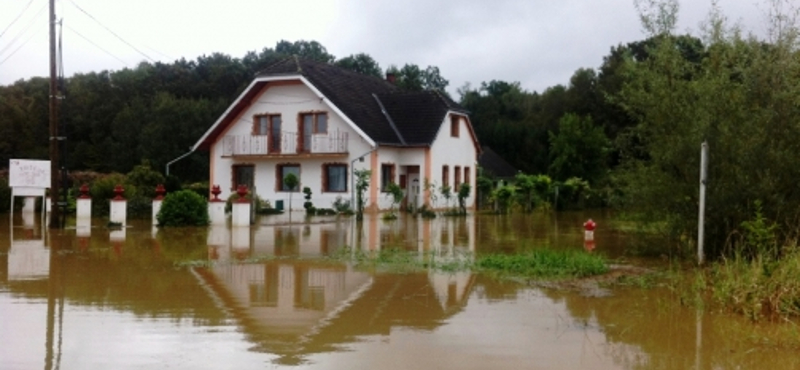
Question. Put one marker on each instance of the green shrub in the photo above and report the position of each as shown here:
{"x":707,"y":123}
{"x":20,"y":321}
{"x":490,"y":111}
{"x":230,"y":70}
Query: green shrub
{"x":183,"y":208}
{"x":145,"y":179}
{"x":201,"y":188}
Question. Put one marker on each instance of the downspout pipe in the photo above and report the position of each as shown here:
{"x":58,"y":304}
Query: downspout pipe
{"x":178,"y":159}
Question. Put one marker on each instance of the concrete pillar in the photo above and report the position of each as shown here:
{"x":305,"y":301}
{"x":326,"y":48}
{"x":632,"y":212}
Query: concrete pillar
{"x":240,"y":212}
{"x":216,"y":207}
{"x":84,"y":203}
{"x":157,"y":201}
{"x":119,"y":207}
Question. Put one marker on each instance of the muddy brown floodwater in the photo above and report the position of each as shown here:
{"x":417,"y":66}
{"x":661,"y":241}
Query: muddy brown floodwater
{"x":207,"y":298}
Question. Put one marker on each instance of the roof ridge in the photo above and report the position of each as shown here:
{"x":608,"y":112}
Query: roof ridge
{"x":389,"y":118}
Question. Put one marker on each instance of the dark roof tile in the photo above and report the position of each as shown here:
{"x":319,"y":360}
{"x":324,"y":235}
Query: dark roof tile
{"x":416,"y":115}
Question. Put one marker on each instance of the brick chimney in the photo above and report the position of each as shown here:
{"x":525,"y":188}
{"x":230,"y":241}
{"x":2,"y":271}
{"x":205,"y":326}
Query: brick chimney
{"x":391,"y":77}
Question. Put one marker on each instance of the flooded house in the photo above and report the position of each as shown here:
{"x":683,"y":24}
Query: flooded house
{"x":321,"y":122}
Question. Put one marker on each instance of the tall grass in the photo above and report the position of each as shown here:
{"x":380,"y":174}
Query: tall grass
{"x":759,"y":288}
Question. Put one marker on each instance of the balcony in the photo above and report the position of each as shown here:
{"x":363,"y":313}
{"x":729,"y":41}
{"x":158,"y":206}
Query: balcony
{"x":285,"y":144}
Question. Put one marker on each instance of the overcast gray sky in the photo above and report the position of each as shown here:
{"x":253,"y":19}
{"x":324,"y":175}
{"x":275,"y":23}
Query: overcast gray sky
{"x":539,"y":43}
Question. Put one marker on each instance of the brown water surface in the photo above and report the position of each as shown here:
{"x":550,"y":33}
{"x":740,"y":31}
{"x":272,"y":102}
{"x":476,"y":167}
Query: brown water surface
{"x":259,"y":297}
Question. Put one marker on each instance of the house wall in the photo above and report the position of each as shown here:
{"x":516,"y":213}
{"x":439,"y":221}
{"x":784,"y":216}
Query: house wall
{"x":288,"y":99}
{"x":400,"y":158}
{"x":453,"y":151}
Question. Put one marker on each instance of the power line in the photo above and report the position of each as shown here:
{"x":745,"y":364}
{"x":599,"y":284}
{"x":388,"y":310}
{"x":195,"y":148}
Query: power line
{"x":19,"y":47}
{"x":111,"y":32}
{"x":17,"y":18}
{"x":24,"y":30}
{"x":97,"y":46}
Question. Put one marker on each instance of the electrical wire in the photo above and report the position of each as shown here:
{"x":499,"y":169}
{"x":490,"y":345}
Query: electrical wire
{"x":25,"y":29}
{"x":112,"y":32}
{"x":20,"y":47}
{"x":17,"y":18}
{"x":97,"y":46}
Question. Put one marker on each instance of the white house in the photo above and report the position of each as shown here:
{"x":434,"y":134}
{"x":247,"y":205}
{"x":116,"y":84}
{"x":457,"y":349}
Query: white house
{"x":322,"y":122}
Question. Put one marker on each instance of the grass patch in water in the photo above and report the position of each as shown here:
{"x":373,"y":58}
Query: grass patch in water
{"x":544,"y":263}
{"x":536,"y":263}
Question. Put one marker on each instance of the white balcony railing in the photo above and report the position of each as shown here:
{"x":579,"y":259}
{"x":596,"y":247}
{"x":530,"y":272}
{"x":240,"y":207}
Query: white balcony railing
{"x":286,"y":143}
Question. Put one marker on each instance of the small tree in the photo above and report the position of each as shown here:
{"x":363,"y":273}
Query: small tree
{"x":307,"y":204}
{"x":362,"y":183}
{"x":396,"y":195}
{"x":291,"y":182}
{"x":447,"y":193}
{"x":463,"y":194}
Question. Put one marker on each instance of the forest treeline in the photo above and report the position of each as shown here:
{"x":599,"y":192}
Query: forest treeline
{"x":631,"y":128}
{"x":114,"y":119}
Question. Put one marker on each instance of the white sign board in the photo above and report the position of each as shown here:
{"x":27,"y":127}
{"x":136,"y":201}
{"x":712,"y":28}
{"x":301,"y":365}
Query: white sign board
{"x":25,"y":173}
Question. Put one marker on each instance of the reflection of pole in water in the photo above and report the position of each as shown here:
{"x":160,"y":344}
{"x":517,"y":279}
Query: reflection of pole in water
{"x":55,"y":294}
{"x":698,"y":332}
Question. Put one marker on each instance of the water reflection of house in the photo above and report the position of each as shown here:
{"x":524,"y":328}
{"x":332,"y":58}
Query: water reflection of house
{"x":446,"y":236}
{"x":293,"y":309}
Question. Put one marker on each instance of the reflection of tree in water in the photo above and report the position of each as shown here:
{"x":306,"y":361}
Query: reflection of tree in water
{"x":141,"y":280}
{"x":649,"y":329}
{"x":287,"y":242}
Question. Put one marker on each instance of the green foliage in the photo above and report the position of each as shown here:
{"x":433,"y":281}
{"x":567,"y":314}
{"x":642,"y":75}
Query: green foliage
{"x":572,"y":193}
{"x":463,"y":194}
{"x":758,"y":288}
{"x":396,"y":195}
{"x":201,"y":188}
{"x":759,"y":236}
{"x":183,"y":208}
{"x":362,"y":184}
{"x":361,"y":63}
{"x":504,"y":196}
{"x":579,"y":149}
{"x":412,"y":78}
{"x":144,"y":178}
{"x":342,"y":206}
{"x":307,"y":205}
{"x":541,"y":263}
{"x":740,"y":95}
{"x":447,"y":194}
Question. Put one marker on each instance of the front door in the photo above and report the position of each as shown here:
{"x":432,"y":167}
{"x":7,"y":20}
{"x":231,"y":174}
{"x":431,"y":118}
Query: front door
{"x":244,"y":174}
{"x":413,"y":192}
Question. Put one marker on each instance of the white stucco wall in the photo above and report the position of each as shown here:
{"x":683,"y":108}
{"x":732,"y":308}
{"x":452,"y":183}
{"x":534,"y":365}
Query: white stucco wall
{"x":288,"y":101}
{"x":454,"y":151}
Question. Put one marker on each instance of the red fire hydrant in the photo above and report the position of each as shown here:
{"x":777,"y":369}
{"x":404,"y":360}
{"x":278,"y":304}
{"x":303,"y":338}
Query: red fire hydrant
{"x":588,"y":235}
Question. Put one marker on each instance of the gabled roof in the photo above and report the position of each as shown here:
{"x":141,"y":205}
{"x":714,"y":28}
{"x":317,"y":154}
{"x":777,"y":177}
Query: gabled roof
{"x":381,"y":110}
{"x":418,"y":115}
{"x":495,"y":165}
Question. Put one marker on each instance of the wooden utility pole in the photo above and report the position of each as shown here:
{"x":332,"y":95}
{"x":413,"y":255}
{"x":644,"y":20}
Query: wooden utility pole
{"x":55,"y":211}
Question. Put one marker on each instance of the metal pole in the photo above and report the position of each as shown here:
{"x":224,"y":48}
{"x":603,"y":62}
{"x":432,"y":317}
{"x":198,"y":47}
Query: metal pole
{"x":702,"y":208}
{"x":55,"y":212}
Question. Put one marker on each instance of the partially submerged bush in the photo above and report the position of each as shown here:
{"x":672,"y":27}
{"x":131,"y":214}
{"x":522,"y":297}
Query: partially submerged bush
{"x":183,"y":208}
